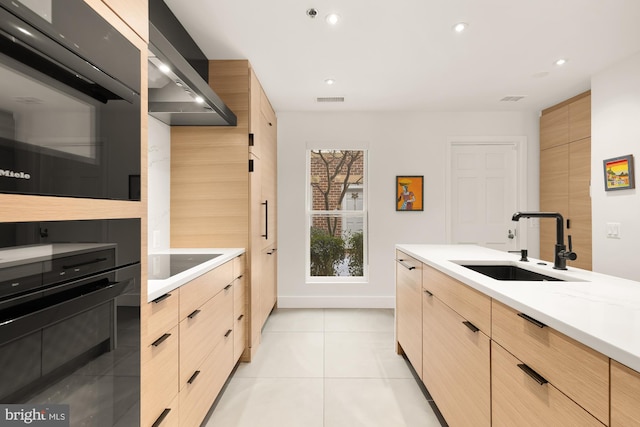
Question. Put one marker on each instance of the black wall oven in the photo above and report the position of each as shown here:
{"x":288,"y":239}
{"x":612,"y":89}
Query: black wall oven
{"x":69,"y":102}
{"x":68,"y":333}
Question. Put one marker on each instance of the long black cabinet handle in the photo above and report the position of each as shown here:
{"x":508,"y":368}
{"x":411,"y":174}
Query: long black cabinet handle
{"x":80,"y":264}
{"x":427,"y":292}
{"x":193,"y":314}
{"x":470,"y":326}
{"x":193,"y":377}
{"x":533,"y":374}
{"x":161,"y":418}
{"x":266,"y":220}
{"x":161,"y":298}
{"x":532,"y":320}
{"x":228,"y":333}
{"x":241,"y":317}
{"x":160,"y":340}
{"x":226,"y":288}
{"x":405,"y":265}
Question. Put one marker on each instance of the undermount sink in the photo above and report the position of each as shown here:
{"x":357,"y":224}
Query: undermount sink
{"x":511,"y":272}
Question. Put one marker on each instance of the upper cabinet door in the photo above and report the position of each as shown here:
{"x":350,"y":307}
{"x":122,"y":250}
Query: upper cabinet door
{"x":580,"y":119}
{"x":554,"y":128}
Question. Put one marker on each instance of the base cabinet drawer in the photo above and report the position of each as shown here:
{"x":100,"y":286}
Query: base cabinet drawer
{"x":409,"y":308}
{"x":170,"y":416}
{"x":160,"y":373}
{"x":518,"y":399}
{"x":573,"y":368}
{"x":456,"y":365}
{"x":625,"y":396}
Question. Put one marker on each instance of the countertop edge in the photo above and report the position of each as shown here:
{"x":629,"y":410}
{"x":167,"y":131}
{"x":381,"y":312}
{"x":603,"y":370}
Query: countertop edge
{"x":571,"y":329}
{"x":157,"y":288}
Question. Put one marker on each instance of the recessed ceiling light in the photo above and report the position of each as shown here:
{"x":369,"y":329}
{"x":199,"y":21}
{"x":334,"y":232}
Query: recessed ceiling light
{"x":460,"y":27}
{"x":561,"y":61}
{"x":332,"y":18}
{"x":329,"y":81}
{"x":199,"y":99}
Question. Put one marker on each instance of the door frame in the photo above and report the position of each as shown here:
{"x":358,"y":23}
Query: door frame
{"x":520,"y":143}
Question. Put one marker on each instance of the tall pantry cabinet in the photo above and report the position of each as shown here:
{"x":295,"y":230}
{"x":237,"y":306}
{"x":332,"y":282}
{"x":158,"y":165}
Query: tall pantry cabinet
{"x":565,"y":176}
{"x":223,"y":186}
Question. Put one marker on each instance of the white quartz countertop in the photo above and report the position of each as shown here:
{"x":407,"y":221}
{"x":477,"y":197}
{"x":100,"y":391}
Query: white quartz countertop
{"x":600,"y":311}
{"x":157,"y":288}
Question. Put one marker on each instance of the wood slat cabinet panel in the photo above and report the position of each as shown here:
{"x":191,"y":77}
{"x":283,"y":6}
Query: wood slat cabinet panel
{"x":625,"y":396}
{"x":469,"y":303}
{"x":456,"y":365}
{"x":518,"y":400}
{"x":198,"y":332}
{"x":409,"y":308}
{"x":160,"y":375}
{"x":573,"y":368}
{"x":203,"y":288}
{"x":135,"y":13}
{"x":580,"y":118}
{"x":554,"y":128}
{"x":580,"y":202}
{"x":554,"y":195}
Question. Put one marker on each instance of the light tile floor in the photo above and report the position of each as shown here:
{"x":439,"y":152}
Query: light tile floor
{"x":325,"y":368}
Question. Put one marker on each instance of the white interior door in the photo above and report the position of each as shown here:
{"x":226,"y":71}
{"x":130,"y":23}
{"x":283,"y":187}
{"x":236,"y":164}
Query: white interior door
{"x":484,"y":194}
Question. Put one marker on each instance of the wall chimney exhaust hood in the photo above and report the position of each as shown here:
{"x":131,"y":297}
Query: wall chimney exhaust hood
{"x":179,"y":92}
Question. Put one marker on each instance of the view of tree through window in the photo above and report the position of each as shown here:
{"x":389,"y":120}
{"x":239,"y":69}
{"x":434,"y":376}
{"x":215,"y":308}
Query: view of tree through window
{"x":337,"y":239}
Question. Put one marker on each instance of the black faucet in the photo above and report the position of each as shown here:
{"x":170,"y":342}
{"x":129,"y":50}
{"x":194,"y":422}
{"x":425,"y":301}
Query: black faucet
{"x":561,"y":252}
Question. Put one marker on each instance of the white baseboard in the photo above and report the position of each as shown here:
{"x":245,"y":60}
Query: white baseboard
{"x":336,"y":302}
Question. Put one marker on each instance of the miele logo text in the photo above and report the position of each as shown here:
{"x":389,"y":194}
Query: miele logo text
{"x":12,"y":174}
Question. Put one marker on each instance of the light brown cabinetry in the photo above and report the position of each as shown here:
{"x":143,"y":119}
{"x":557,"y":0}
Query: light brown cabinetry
{"x":625,"y":396}
{"x":409,"y":309}
{"x":519,"y":400}
{"x":574,"y":369}
{"x":135,"y":13}
{"x":223,"y":186}
{"x":456,"y":366}
{"x":191,"y":347}
{"x":565,"y":175}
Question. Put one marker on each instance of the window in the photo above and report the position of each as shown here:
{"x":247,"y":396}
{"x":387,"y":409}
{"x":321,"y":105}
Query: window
{"x":337,"y":216}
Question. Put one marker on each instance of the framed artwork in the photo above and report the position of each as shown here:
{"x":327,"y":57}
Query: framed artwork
{"x":618,"y":173}
{"x":409,"y":193}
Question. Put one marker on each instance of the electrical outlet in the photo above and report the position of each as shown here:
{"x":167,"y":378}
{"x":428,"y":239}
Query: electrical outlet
{"x":613,"y":230}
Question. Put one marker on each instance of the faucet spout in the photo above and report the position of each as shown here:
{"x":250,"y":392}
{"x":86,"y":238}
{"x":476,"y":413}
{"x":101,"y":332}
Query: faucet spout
{"x":561,"y":254}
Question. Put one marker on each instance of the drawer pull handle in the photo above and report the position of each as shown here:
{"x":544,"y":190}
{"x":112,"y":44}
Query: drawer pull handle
{"x":240,"y":276}
{"x":405,"y":265}
{"x":193,"y":377}
{"x":532,"y":320}
{"x":161,"y":418}
{"x":161,"y":298}
{"x":428,"y":292}
{"x":81,"y":264}
{"x":226,"y":288}
{"x":470,"y":326}
{"x":160,"y":340}
{"x":228,"y":333}
{"x":194,"y":314}
{"x":533,"y":374}
{"x":241,"y":317}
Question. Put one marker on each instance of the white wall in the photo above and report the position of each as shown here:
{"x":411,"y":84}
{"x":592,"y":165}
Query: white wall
{"x":615,"y":131}
{"x":159,"y":161}
{"x":399,"y":144}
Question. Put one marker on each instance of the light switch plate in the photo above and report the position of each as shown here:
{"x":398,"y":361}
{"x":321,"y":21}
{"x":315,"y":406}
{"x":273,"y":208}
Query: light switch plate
{"x":613,"y":230}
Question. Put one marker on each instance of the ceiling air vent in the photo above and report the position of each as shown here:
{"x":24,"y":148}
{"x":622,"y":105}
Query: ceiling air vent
{"x":512,"y":98}
{"x":330,"y":99}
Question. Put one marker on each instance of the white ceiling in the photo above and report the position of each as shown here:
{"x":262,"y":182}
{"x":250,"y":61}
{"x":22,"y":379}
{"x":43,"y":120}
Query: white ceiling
{"x":403,"y":55}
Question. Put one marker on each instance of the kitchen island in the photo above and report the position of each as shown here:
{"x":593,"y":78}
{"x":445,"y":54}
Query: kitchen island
{"x":577,"y":335}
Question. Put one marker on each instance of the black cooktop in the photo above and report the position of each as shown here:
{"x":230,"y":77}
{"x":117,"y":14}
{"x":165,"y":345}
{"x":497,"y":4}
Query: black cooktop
{"x":163,"y":266}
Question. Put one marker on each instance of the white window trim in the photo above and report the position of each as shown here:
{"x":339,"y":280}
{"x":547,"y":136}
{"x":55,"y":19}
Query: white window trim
{"x":309,"y":213}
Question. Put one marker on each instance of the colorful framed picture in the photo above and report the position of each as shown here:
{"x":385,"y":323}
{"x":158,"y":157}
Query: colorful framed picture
{"x":409,"y":193}
{"x":618,"y":173}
